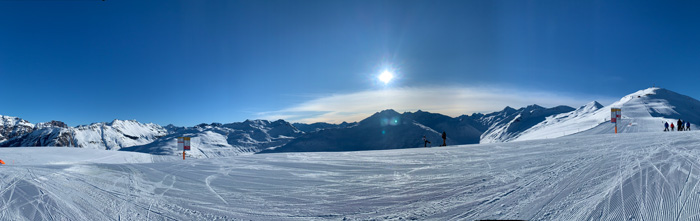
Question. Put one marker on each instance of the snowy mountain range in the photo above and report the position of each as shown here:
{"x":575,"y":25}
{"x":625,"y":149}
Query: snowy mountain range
{"x":644,"y":110}
{"x":384,"y":130}
{"x":217,"y":140}
{"x":390,"y":130}
{"x":108,"y":136}
{"x":308,"y":128}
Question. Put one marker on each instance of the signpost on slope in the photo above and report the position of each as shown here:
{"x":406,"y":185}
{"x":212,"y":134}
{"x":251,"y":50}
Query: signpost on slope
{"x":183,"y":143}
{"x":615,"y":115}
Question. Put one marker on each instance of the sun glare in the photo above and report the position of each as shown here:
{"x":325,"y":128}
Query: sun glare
{"x":385,"y":77}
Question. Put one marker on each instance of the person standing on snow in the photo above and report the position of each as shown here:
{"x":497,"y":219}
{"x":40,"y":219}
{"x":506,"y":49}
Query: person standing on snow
{"x":666,"y":126}
{"x":671,"y":126}
{"x":679,"y":125}
{"x":687,"y":126}
{"x":425,"y":141}
{"x":444,"y":138}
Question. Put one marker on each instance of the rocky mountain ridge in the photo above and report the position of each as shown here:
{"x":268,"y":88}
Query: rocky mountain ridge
{"x":386,"y":129}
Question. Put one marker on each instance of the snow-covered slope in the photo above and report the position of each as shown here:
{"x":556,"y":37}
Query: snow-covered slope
{"x":71,"y":156}
{"x":508,"y":124}
{"x":583,"y":118}
{"x":642,"y":111}
{"x":640,"y":176}
{"x":117,"y":134}
{"x":13,"y":127}
{"x":221,"y":140}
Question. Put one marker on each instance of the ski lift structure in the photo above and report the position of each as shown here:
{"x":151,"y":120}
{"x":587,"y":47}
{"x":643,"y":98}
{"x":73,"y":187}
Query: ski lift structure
{"x":615,"y":115}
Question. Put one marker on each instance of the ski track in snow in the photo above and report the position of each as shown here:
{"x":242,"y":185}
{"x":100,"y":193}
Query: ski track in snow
{"x":641,"y":176}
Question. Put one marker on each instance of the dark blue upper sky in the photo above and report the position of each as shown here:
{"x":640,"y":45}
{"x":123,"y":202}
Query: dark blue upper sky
{"x":187,"y":62}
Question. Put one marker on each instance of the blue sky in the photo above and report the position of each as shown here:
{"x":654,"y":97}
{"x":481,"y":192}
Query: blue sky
{"x":188,"y":62}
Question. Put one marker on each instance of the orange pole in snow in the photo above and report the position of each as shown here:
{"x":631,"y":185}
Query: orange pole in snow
{"x":183,"y":155}
{"x":616,"y":128}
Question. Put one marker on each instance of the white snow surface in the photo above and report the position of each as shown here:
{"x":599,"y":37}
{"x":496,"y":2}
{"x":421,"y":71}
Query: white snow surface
{"x":14,"y":156}
{"x":626,"y":176}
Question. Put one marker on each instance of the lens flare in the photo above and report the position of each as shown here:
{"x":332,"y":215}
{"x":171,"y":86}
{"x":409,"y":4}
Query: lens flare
{"x":386,"y":76}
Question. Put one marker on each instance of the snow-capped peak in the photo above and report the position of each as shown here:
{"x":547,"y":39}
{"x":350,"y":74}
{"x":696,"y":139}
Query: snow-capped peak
{"x":13,"y":126}
{"x":8,"y":121}
{"x":593,"y":105}
{"x":663,"y":103}
{"x":589,"y":108}
{"x":648,"y":91}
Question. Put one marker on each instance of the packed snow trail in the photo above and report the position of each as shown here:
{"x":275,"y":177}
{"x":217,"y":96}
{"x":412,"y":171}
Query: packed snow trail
{"x":634,"y":176}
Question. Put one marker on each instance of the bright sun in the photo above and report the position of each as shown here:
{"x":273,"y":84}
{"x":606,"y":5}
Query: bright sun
{"x":385,"y":77}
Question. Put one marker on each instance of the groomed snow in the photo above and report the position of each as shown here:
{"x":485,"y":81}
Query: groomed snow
{"x":69,"y":155}
{"x":635,"y":176}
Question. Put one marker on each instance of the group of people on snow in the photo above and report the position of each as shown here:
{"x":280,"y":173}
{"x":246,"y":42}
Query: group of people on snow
{"x":682,"y":125}
{"x":444,"y":140}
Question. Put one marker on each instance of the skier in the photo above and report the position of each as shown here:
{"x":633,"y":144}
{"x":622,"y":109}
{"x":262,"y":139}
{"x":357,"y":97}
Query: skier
{"x":444,"y":138}
{"x":687,"y":126}
{"x":680,"y":125}
{"x":671,"y":126}
{"x":666,"y":126}
{"x":425,"y":141}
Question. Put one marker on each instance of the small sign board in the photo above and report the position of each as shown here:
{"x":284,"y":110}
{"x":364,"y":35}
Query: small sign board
{"x":615,"y":115}
{"x":183,"y":143}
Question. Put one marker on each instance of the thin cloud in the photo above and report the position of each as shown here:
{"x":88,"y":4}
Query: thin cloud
{"x":451,"y":101}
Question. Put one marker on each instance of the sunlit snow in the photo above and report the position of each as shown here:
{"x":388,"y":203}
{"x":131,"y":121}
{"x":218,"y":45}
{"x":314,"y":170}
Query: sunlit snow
{"x":640,"y":176}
